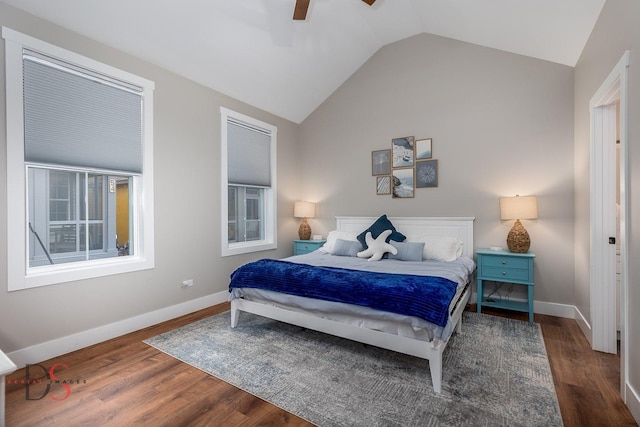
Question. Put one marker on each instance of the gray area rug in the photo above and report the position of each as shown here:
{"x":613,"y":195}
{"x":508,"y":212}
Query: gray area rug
{"x":495,"y":373}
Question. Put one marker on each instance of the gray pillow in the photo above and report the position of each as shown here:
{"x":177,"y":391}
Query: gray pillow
{"x":407,"y":251}
{"x":346,"y":247}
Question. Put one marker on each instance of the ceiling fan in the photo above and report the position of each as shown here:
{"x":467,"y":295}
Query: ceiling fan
{"x":300,"y":10}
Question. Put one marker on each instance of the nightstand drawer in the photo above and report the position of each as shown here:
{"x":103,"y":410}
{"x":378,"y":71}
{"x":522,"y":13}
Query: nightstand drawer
{"x":504,"y":262}
{"x":301,"y":247}
{"x":306,"y":247}
{"x":505,"y":274}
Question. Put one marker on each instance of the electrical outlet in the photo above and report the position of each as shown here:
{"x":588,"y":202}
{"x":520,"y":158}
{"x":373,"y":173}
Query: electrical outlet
{"x":187,"y":283}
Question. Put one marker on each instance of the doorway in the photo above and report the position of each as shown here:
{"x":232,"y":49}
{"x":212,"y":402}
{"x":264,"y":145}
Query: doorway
{"x":608,"y":110}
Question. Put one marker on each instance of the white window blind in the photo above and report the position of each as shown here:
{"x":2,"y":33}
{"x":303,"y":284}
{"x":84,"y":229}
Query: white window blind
{"x":76,"y":117}
{"x":249,"y":155}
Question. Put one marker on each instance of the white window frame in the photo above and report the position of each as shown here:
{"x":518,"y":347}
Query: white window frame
{"x":270,"y":194}
{"x":19,"y":275}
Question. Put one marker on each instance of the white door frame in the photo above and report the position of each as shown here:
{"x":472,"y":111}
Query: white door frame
{"x":603,"y":215}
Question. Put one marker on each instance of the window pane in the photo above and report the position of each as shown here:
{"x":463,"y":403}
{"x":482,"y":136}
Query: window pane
{"x":253,"y":203}
{"x":232,"y":232}
{"x":95,"y":196}
{"x":123,"y":213}
{"x":253,"y":215}
{"x":95,"y":237}
{"x":62,"y":239}
{"x":253,"y":230}
{"x":88,"y":216}
{"x":232,"y":214}
{"x":245,"y":211}
{"x":92,"y":186}
{"x":59,"y":210}
{"x":62,"y":186}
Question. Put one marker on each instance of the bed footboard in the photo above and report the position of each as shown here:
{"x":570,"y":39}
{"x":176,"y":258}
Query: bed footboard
{"x":431,"y":351}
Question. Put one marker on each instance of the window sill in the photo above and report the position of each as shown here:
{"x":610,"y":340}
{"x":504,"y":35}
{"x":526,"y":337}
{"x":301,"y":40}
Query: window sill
{"x":51,"y":275}
{"x":245,"y":248}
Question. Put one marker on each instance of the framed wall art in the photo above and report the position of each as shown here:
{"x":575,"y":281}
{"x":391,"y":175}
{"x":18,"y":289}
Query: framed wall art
{"x":423,"y":149}
{"x":402,"y":151}
{"x":427,"y":173}
{"x":402,"y":183}
{"x":381,"y":162}
{"x":383,"y":185}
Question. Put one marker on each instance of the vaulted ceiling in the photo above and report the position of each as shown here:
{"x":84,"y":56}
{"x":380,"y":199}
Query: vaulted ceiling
{"x":255,"y":52}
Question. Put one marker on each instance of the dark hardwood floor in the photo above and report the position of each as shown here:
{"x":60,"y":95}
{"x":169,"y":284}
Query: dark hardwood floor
{"x":126,"y":382}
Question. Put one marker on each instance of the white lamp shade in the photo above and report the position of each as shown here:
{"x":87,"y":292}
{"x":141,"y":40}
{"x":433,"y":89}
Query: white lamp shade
{"x":519,"y":207}
{"x":304,"y":210}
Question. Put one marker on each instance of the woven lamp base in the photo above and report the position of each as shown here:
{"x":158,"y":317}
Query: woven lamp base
{"x":304,"y":232}
{"x":518,"y":239}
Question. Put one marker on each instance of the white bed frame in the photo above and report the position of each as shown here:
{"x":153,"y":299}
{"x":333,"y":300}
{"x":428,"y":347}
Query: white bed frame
{"x":460,"y":227}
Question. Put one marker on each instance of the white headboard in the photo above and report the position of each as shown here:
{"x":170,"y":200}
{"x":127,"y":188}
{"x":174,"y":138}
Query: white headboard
{"x":460,"y":227}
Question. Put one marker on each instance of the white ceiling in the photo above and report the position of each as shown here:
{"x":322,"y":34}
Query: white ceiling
{"x":253,"y":51}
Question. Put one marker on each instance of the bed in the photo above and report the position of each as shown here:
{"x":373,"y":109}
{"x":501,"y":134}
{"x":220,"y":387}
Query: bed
{"x":409,"y":333}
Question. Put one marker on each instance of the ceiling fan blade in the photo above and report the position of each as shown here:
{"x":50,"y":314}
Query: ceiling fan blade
{"x":369,"y":2}
{"x":300,"y":10}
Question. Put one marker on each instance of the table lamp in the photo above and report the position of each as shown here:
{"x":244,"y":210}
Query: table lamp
{"x":304,"y":210}
{"x":518,"y":207}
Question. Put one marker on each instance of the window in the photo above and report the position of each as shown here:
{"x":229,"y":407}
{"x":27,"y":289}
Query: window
{"x":79,"y":166}
{"x":248,"y":184}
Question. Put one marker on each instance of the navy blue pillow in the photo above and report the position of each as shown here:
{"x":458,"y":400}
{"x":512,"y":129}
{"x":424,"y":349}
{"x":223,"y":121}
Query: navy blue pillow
{"x":378,"y":227}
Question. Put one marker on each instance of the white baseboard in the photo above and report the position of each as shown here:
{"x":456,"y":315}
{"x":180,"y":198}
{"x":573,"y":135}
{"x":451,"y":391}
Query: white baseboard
{"x":542,"y":307}
{"x":633,"y":402}
{"x":57,"y":347}
{"x":584,"y":325}
{"x":554,"y":309}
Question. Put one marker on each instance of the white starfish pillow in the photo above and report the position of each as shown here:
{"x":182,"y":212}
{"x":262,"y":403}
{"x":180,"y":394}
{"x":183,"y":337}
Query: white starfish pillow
{"x":377,"y":247}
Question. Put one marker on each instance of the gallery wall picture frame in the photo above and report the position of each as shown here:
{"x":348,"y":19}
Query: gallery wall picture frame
{"x":381,"y":162}
{"x":427,"y":173}
{"x":423,"y":149}
{"x":402,"y":183}
{"x":403,"y":151}
{"x":383,"y":185}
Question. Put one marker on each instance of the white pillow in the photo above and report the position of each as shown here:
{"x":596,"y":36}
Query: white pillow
{"x":334,"y":236}
{"x":439,"y":248}
{"x":377,"y":247}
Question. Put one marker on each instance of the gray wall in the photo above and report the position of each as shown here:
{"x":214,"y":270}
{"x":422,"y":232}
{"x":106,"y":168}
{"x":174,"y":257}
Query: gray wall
{"x":187,"y":214}
{"x":615,"y":32}
{"x":502,"y":124}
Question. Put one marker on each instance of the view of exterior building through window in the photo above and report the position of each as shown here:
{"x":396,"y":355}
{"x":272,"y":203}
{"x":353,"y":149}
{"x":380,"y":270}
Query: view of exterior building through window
{"x":76,"y":216}
{"x":246,"y":207}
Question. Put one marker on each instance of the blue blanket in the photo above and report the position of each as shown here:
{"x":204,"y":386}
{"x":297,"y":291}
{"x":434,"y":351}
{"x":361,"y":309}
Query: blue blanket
{"x":425,"y":297}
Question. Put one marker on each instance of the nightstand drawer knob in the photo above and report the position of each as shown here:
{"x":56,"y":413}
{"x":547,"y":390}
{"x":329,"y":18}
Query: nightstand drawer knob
{"x":504,"y":262}
{"x":504,"y":273}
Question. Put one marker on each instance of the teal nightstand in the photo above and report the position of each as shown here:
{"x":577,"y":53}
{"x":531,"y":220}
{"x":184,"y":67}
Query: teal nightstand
{"x":301,"y":247}
{"x":505,"y":267}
